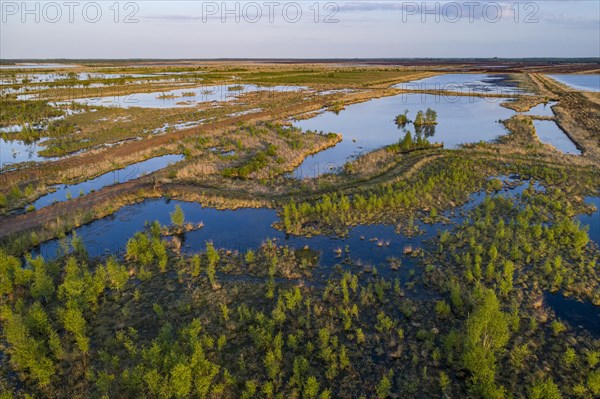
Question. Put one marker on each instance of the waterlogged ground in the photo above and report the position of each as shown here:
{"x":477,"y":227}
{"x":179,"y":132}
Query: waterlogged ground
{"x":368,"y":245}
{"x":396,"y":314}
{"x":187,"y":97}
{"x":64,"y":192}
{"x":247,"y":228}
{"x":369,"y":125}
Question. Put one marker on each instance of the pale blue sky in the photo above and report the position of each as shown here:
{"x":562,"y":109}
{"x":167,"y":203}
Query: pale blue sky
{"x":194,"y":29}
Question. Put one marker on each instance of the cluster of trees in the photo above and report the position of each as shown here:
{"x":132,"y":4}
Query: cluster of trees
{"x":409,"y":143}
{"x":424,"y":122}
{"x":509,"y":245}
{"x":46,"y":308}
{"x":148,"y":249}
{"x":257,"y":162}
{"x":426,"y":119}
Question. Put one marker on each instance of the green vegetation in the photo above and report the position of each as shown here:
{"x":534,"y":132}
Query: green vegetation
{"x":444,"y":181}
{"x":20,"y":112}
{"x":462,"y":314}
{"x":402,"y":119}
{"x":183,"y":327}
{"x":426,"y":119}
{"x":256,"y":163}
{"x":178,"y":217}
{"x":409,"y":143}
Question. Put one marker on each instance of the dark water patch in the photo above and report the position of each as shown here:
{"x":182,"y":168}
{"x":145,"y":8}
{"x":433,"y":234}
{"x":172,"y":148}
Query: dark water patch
{"x":247,"y":228}
{"x":240,"y":230}
{"x":592,"y":220}
{"x":579,"y":315}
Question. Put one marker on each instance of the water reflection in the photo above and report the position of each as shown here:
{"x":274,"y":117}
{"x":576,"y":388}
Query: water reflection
{"x":370,"y":125}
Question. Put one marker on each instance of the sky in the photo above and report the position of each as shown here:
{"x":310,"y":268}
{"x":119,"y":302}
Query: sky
{"x":298,"y":29}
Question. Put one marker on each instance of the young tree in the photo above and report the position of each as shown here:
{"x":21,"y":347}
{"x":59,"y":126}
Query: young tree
{"x":178,"y":217}
{"x":181,"y":380}
{"x":196,"y":266}
{"x":407,"y":142}
{"x":385,"y":385}
{"x":486,"y":335}
{"x":117,"y":274}
{"x":9,"y":269}
{"x":43,"y":285}
{"x":402,"y":119}
{"x":311,"y":388}
{"x":213,"y":258}
{"x":419,"y":119}
{"x":546,"y":389}
{"x":75,"y":323}
{"x":27,"y":353}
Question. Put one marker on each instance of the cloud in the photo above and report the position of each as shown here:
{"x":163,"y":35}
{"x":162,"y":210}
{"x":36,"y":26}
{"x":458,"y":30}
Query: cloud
{"x":488,"y":11}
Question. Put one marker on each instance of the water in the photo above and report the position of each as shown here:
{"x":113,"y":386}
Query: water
{"x":178,"y":98}
{"x":580,"y":82}
{"x":579,"y":315}
{"x":36,"y":78}
{"x":370,"y":125}
{"x":167,"y":127}
{"x":239,"y":229}
{"x":543,"y":109}
{"x":247,"y":228}
{"x":593,"y":220}
{"x":130,"y":172}
{"x":12,"y":128}
{"x":15,"y":151}
{"x":549,"y":132}
{"x":465,"y":83}
{"x":50,"y":77}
